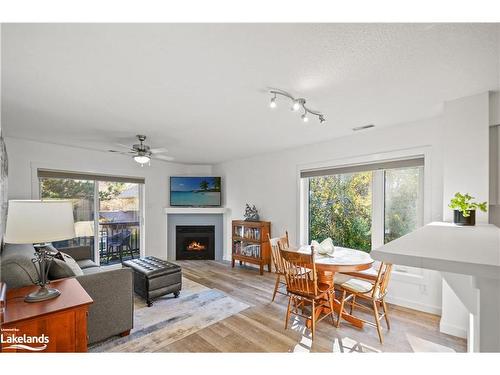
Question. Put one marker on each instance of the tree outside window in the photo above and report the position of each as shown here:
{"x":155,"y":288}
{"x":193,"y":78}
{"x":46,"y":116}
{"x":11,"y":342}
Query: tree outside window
{"x":340,"y":208}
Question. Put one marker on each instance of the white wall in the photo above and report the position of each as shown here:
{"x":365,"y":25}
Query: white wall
{"x":494,"y":112}
{"x":26,"y":156}
{"x":466,"y":151}
{"x":271,"y":183}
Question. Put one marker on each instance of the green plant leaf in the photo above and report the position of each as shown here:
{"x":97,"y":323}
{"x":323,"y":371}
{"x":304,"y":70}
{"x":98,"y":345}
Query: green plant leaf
{"x":464,"y":204}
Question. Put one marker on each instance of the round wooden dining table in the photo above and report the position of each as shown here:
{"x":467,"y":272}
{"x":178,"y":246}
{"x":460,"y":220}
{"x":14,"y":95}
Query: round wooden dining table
{"x":342,"y":260}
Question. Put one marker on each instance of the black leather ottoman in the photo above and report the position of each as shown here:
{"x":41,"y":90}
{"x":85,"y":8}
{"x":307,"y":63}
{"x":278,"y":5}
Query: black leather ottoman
{"x":155,"y":277}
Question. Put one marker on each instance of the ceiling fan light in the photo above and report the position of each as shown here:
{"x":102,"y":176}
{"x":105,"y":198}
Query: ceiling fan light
{"x":142,"y":159}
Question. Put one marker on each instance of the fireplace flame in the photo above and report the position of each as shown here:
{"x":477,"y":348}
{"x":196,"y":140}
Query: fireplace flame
{"x":196,"y":246}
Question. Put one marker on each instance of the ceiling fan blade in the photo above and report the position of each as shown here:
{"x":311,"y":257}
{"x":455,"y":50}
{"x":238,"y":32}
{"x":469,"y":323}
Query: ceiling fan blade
{"x":122,"y":152}
{"x":124,"y":146}
{"x":163,"y":157}
{"x":158,"y":150}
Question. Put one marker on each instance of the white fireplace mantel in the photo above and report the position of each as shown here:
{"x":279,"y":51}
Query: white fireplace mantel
{"x":196,"y":210}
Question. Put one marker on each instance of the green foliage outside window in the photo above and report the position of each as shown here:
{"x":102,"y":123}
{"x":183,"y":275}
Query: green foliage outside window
{"x":401,"y":200}
{"x":66,"y":188}
{"x":80,"y":192}
{"x":340,"y":208}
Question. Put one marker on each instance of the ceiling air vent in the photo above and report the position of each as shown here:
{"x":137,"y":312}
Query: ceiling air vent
{"x":364,"y":127}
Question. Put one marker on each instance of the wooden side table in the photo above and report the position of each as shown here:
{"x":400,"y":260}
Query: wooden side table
{"x":62,"y":320}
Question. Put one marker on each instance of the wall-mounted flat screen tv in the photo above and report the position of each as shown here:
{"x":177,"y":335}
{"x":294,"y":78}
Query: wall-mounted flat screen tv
{"x":195,"y":191}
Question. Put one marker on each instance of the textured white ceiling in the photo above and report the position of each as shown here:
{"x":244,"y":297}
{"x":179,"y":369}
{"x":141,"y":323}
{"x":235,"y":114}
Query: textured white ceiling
{"x":200,"y":89}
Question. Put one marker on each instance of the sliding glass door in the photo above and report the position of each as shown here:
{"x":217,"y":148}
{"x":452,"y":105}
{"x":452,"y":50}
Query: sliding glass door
{"x":107,"y":212}
{"x":119,"y":221}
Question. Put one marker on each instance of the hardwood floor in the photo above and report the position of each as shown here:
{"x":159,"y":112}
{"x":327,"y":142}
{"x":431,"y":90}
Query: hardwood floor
{"x":260,"y":328}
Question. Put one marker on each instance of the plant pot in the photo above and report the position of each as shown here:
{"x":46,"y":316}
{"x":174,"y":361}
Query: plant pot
{"x":459,"y":219}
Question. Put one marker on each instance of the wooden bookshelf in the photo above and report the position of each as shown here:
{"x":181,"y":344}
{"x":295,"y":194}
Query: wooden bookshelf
{"x":250,"y":243}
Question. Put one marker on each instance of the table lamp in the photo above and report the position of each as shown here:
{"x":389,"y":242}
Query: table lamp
{"x":37,"y":223}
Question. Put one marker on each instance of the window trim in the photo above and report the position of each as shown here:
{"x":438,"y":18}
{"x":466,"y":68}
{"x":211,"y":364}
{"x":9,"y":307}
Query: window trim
{"x":416,"y":275}
{"x":365,"y":167}
{"x":52,"y":173}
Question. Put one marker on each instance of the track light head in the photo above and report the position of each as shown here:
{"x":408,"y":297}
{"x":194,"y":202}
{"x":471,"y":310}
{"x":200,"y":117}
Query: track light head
{"x":272,"y":104}
{"x":297,"y":104}
{"x":304,"y":117}
{"x":321,"y":119}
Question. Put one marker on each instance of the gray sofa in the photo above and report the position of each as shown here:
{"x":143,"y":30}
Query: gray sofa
{"x":112,"y":290}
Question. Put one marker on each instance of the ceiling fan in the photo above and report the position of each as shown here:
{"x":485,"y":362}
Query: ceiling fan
{"x":143,"y":153}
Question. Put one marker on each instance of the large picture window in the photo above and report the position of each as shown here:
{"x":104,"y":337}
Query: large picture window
{"x":364,"y":206}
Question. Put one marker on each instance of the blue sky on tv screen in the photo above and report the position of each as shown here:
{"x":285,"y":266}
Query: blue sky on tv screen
{"x":190,"y":183}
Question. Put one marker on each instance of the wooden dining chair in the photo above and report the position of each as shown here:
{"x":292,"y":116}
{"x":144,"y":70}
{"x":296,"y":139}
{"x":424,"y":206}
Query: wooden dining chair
{"x":303,"y":287}
{"x":275,"y":244}
{"x":373,"y":291}
{"x":370,"y":275}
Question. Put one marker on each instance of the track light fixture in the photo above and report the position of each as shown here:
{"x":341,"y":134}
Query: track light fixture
{"x":297,"y":103}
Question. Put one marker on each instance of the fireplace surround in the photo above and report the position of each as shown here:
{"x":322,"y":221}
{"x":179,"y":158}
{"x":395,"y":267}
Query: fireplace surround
{"x":195,"y":242}
{"x":217,"y":216}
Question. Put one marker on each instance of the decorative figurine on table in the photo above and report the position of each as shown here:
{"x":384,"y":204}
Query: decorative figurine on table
{"x":251,"y":213}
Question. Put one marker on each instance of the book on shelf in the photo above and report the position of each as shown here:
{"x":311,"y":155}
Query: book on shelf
{"x":246,"y":250}
{"x":249,"y":233}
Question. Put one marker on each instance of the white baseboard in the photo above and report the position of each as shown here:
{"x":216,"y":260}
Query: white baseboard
{"x":452,"y":329}
{"x":436,"y":310}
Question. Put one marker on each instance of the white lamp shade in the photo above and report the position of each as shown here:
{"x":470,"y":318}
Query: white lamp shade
{"x":39,"y":221}
{"x":84,"y":229}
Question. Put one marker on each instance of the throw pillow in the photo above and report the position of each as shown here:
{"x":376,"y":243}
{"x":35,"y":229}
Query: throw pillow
{"x":67,"y":267}
{"x":325,"y":247}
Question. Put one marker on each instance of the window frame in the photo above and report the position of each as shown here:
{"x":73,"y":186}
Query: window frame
{"x":403,"y":273}
{"x":378,"y":219}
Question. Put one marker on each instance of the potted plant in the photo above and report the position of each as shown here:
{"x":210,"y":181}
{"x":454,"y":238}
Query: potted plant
{"x":465,"y":209}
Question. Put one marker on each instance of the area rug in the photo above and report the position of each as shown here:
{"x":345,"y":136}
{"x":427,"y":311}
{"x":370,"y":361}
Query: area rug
{"x":171,"y":319}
